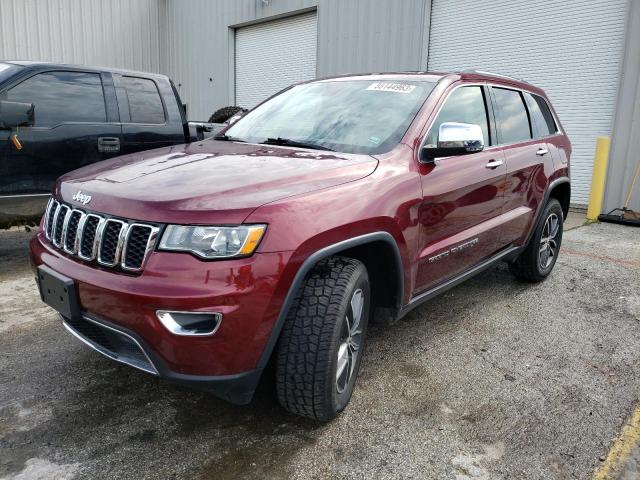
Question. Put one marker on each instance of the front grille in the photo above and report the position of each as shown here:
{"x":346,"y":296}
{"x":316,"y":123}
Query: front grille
{"x":111,"y":342}
{"x":109,"y":241}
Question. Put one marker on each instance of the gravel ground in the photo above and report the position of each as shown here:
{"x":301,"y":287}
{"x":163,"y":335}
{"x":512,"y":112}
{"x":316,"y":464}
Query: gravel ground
{"x":495,"y":379}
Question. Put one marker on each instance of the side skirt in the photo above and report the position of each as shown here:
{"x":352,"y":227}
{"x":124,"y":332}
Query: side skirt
{"x":507,"y":254}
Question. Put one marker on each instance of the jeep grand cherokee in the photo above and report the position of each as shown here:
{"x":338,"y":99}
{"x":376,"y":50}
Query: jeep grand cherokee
{"x":334,"y":203}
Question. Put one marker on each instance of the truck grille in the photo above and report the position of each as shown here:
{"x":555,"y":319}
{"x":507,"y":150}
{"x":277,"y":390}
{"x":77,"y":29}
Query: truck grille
{"x":109,"y":241}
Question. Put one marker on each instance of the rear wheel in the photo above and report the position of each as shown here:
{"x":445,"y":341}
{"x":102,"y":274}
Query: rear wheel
{"x":322,"y":341}
{"x":536,"y":262}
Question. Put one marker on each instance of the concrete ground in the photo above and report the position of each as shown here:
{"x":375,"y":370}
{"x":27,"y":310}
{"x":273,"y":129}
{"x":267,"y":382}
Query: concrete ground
{"x":495,"y":379}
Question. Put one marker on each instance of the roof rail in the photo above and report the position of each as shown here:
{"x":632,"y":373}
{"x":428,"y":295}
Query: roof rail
{"x":484,"y":72}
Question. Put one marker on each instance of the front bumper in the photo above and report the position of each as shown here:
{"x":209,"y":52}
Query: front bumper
{"x":248,"y":292}
{"x":127,"y":347}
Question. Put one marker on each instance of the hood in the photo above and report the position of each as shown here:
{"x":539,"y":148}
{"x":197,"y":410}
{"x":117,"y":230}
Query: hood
{"x":207,"y":182}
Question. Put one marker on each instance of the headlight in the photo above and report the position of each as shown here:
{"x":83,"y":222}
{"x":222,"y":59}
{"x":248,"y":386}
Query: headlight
{"x":213,"y":242}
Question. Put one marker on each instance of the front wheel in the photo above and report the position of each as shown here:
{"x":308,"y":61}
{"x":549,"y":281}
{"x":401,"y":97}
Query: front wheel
{"x":537,"y":260}
{"x":322,"y":341}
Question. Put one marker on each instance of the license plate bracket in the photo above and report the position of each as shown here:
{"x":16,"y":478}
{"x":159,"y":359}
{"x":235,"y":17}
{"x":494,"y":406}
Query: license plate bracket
{"x":58,"y":292}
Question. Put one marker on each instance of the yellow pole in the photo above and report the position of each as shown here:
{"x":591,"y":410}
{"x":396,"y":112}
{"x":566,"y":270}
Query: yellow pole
{"x":598,"y":178}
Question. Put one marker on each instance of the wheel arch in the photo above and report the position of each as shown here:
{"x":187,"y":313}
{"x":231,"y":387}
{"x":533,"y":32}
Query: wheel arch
{"x":561,"y":191}
{"x":377,"y":250}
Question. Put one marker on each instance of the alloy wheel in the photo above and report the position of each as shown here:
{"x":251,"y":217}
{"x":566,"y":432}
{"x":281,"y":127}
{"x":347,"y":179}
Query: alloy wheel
{"x":350,"y":341}
{"x":548,"y":241}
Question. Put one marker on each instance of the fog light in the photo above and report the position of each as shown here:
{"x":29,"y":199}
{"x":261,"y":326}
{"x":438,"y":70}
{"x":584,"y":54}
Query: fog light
{"x":190,"y":323}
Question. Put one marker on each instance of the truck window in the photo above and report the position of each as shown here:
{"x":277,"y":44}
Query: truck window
{"x":61,"y":97}
{"x":145,"y":104}
{"x":464,"y":105}
{"x":513,"y":120}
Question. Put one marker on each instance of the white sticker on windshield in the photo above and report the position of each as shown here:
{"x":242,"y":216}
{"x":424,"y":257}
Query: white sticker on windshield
{"x":392,"y":87}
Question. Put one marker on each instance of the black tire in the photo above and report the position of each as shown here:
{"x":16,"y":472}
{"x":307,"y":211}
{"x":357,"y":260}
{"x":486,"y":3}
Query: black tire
{"x":225,"y":113}
{"x":530,"y":265}
{"x":313,"y":335}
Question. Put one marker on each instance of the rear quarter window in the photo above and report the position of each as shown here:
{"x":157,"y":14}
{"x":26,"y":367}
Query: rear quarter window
{"x":542,"y":120}
{"x":145,"y":104}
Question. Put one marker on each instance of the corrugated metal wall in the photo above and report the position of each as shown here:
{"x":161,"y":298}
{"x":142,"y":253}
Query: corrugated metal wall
{"x":199,"y":48}
{"x":353,"y":36}
{"x":115,"y":33}
{"x":270,"y":56}
{"x":357,"y":36}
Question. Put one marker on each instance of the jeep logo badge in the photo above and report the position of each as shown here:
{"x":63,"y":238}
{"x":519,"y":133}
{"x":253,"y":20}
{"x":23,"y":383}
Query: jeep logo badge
{"x":81,"y":198}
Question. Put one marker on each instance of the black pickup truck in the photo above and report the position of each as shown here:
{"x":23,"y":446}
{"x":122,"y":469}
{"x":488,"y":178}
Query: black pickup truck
{"x":56,"y":118}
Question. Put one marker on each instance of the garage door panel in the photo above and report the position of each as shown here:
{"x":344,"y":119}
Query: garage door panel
{"x":272,"y":55}
{"x":571,"y":49}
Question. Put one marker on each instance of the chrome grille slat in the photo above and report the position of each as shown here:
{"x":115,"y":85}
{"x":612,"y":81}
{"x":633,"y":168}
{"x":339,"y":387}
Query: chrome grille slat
{"x":94,"y":237}
{"x":52,"y":207}
{"x":70,"y":231}
{"x":108,"y":236}
{"x":136,"y":248}
{"x":89,"y":235}
{"x":58,"y":224}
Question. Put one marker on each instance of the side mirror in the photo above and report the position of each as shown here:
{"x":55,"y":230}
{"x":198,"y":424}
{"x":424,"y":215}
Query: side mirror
{"x":454,"y":139}
{"x":16,"y":114}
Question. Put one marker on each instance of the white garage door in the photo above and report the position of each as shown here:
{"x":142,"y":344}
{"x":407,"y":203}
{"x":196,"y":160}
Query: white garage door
{"x":272,"y":55}
{"x":572,"y":49}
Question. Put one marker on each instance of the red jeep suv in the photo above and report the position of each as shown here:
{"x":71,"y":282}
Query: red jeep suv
{"x":335,"y":203}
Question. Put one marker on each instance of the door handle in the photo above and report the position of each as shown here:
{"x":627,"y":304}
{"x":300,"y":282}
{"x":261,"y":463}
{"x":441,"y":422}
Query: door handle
{"x":108,"y":144}
{"x":494,"y":163}
{"x":542,"y":151}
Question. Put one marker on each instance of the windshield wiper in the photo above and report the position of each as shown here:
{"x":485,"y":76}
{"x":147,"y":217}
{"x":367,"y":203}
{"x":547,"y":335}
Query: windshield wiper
{"x":292,"y":143}
{"x":228,"y":138}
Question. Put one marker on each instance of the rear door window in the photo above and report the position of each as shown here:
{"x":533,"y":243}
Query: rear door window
{"x":513,"y":120}
{"x":464,"y":105}
{"x":145,"y":104}
{"x":542,"y":119}
{"x":62,"y":97}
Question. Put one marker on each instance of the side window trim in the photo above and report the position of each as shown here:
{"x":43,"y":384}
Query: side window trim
{"x":529,"y":117}
{"x":490,"y":104}
{"x":111,"y":101}
{"x":486,"y":114}
{"x":493,"y":124}
{"x":121,"y":96}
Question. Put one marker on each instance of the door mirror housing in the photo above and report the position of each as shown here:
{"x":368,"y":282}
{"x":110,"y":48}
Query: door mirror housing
{"x":454,"y":139}
{"x":16,"y":114}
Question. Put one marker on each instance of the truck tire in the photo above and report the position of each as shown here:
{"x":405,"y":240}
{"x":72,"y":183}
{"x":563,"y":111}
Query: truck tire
{"x":225,"y":113}
{"x":322,"y":340}
{"x":537,"y":260}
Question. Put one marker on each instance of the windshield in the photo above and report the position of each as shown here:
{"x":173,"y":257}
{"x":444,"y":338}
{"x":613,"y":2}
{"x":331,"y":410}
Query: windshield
{"x":6,"y":70}
{"x":353,"y":116}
